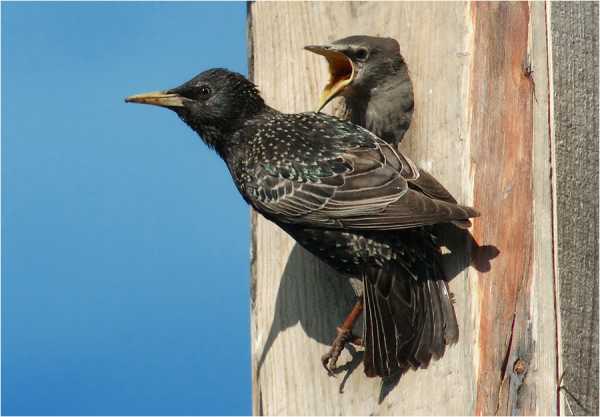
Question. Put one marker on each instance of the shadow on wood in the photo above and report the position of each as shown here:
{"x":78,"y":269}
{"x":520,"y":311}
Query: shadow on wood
{"x":330,"y":297}
{"x":478,"y":127}
{"x":319,"y":313}
{"x":464,"y":251}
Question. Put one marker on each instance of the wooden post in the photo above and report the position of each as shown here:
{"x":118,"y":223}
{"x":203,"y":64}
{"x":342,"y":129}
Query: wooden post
{"x":483,"y":125}
{"x":575,"y":117}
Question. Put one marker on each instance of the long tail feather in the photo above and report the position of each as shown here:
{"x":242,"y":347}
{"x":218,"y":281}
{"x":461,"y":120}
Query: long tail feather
{"x":409,"y":317}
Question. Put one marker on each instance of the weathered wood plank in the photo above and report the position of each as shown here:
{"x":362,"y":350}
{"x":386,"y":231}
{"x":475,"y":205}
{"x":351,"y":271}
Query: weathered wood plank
{"x":501,"y":99}
{"x":575,"y":81}
{"x":511,"y":148}
{"x":542,"y":369}
{"x":297,"y":301}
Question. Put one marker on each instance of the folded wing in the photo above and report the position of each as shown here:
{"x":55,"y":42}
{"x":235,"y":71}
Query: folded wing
{"x":363,"y":183}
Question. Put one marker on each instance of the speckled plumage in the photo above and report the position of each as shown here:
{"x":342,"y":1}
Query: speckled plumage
{"x":343,"y":194}
{"x":315,"y":169}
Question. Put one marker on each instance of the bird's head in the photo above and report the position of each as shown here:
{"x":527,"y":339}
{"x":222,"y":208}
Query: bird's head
{"x":357,"y":64}
{"x":213,"y":103}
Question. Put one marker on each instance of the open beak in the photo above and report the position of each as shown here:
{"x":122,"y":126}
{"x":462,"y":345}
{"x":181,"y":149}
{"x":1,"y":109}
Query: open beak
{"x":157,"y":98}
{"x":341,"y":71}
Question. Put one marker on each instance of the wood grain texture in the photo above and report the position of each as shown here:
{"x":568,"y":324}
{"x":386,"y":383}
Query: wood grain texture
{"x":542,"y":371}
{"x":511,"y":148}
{"x":501,"y":98}
{"x":477,"y":127}
{"x":575,"y":80}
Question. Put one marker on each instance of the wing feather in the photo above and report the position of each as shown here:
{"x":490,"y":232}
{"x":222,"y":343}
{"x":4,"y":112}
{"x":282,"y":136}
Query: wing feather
{"x":363,"y":183}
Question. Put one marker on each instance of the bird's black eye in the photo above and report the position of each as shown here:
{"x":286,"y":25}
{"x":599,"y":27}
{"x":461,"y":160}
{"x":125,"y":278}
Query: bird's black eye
{"x":361,"y":54}
{"x":203,"y":92}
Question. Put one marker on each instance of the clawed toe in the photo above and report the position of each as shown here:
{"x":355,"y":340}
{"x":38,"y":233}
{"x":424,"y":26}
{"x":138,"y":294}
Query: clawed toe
{"x":325,"y":361}
{"x":344,"y":335}
{"x":329,"y":360}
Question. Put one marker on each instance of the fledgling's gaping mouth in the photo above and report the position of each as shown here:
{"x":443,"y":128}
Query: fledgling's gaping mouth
{"x":341,"y":71}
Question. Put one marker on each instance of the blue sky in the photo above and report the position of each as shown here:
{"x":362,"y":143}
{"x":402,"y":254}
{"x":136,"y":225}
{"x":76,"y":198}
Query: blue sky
{"x":125,"y":276}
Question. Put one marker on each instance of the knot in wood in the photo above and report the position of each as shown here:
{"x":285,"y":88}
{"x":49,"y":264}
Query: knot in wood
{"x":519,"y":367}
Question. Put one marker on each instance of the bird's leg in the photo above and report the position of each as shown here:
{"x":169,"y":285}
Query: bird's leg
{"x":344,"y":335}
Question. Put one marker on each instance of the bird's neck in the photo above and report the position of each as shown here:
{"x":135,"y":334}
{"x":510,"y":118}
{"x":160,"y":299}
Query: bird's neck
{"x":230,"y":143}
{"x":222,"y":134}
{"x":389,"y":100}
{"x":388,"y":87}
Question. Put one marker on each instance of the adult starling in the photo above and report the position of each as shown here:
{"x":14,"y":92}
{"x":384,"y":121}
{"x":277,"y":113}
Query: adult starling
{"x":345,"y":195}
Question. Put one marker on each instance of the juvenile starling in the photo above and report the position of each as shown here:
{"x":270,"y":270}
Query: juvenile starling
{"x":371,"y":75}
{"x":344,"y":195}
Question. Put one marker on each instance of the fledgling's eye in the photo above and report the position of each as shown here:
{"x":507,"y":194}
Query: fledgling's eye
{"x":361,"y":54}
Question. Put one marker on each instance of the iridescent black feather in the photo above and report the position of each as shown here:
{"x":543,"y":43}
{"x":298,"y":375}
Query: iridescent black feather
{"x":340,"y":191}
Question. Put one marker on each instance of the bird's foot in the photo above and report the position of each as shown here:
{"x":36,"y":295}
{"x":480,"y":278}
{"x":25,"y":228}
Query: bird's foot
{"x":344,"y":335}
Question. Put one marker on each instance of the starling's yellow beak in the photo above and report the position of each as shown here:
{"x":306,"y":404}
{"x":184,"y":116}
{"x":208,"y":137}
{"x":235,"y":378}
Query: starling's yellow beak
{"x":157,"y":98}
{"x":341,"y":71}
